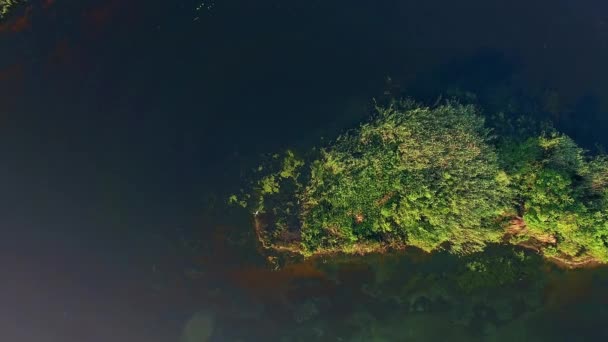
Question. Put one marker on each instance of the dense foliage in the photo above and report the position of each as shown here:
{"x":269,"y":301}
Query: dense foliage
{"x":562,"y":195}
{"x":423,"y":176}
{"x":435,"y":178}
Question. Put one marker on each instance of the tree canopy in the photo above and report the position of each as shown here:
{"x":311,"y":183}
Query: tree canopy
{"x":562,"y":195}
{"x":434,"y":178}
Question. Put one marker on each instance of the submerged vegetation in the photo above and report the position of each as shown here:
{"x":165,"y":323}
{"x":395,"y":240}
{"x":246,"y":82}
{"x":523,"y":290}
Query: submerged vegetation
{"x":436,"y":178}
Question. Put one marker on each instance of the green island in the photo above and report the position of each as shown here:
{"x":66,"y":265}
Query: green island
{"x":441,"y":177}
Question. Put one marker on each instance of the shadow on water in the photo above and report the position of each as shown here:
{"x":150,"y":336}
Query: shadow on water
{"x":506,"y":294}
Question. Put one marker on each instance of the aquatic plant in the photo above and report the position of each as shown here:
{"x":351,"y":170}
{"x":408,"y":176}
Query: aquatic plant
{"x":503,"y":268}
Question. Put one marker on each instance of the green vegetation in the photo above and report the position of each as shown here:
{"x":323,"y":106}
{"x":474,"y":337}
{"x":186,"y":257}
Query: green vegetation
{"x":435,"y":178}
{"x":562,"y":195}
{"x":6,"y":6}
{"x":407,"y":176}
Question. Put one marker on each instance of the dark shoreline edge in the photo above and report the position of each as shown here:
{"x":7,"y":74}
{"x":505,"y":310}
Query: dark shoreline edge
{"x":532,"y":243}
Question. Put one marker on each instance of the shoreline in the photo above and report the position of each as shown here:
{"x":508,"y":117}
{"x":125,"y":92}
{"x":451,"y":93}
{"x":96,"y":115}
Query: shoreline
{"x":516,"y":227}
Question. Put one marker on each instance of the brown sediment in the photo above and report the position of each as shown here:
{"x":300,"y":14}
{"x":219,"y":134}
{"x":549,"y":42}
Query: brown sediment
{"x":280,"y":286}
{"x":294,"y":246}
{"x":274,"y":285}
{"x":260,"y":223}
{"x":516,"y":228}
{"x":536,"y":242}
{"x":565,"y":262}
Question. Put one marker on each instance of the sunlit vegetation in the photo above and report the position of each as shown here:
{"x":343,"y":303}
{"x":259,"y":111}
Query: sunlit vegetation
{"x":435,"y":178}
{"x":562,"y":196}
{"x":6,"y":6}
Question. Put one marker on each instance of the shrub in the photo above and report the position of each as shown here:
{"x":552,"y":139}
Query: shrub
{"x":434,"y":178}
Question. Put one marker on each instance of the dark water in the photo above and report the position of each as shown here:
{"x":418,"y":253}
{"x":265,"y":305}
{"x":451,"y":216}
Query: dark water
{"x":124,"y":125}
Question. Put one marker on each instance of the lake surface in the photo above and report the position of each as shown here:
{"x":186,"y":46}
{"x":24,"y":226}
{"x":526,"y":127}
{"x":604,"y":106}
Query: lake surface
{"x":124,"y":126}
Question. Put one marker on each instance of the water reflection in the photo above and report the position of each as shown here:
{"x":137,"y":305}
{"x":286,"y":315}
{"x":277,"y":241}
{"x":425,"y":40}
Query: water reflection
{"x":509,"y":293}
